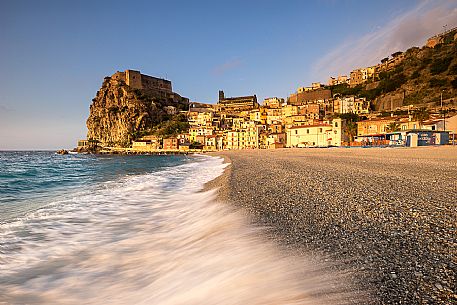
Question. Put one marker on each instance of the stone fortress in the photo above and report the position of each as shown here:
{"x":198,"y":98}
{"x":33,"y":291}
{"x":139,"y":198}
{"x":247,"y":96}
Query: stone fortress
{"x":152,"y":85}
{"x":238,"y":103}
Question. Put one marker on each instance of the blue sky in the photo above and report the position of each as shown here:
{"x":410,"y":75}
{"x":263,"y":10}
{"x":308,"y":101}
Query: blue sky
{"x":54,"y":54}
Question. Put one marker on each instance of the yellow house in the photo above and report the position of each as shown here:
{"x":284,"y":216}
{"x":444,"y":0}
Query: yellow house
{"x":258,"y":115}
{"x":374,"y":126}
{"x":194,"y":132}
{"x":289,"y":110}
{"x":273,"y":102}
{"x":211,"y":142}
{"x":144,"y":145}
{"x":243,"y":138}
{"x":309,"y":136}
{"x":322,"y":135}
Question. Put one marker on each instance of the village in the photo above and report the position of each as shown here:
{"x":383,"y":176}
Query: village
{"x":320,"y":115}
{"x":311,"y":117}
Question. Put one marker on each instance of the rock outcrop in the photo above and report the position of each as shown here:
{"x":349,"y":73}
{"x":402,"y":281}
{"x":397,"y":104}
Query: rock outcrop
{"x":120,"y":113}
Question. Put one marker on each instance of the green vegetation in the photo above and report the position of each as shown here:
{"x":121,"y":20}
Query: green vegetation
{"x":392,"y":127}
{"x":437,"y":82}
{"x":421,"y":115}
{"x":350,"y":117}
{"x":454,"y":83}
{"x":421,"y":75}
{"x":440,"y":65}
{"x":415,"y":74}
{"x":344,"y":89}
{"x":453,"y":70}
{"x":172,"y":127}
{"x":351,"y":130}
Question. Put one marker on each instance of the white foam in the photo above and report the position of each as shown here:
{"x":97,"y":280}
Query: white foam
{"x":140,"y":241}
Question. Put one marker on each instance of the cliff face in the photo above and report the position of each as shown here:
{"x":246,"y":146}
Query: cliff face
{"x":120,"y":114}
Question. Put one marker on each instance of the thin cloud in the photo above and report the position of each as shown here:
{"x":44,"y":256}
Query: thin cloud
{"x":5,"y":109}
{"x":227,"y":66}
{"x":409,"y":29}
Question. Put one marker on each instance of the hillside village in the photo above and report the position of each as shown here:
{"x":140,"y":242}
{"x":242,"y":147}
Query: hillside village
{"x":382,"y":105}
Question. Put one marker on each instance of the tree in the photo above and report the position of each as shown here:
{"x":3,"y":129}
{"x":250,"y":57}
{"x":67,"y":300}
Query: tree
{"x":421,"y":115}
{"x":440,"y":65}
{"x":415,"y":74}
{"x":351,"y":130}
{"x":437,"y":82}
{"x":453,"y":70}
{"x":349,"y":117}
{"x":454,"y":83}
{"x":393,"y":126}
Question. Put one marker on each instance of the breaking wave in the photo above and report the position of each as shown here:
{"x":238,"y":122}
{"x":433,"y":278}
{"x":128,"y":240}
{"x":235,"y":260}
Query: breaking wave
{"x":153,"y":239}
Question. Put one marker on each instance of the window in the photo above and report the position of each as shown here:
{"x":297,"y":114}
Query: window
{"x":296,"y":131}
{"x":336,"y":124}
{"x":320,"y":129}
{"x":307,"y":130}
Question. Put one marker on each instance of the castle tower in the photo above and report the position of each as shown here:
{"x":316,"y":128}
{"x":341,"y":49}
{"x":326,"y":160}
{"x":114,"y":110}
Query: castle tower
{"x":133,"y":79}
{"x":221,"y":95}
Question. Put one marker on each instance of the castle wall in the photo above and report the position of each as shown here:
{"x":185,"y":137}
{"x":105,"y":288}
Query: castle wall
{"x":133,"y":79}
{"x":153,"y":83}
{"x":120,"y":76}
{"x":305,"y":97}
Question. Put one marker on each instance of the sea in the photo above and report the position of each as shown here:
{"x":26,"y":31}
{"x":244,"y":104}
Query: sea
{"x":90,"y":229}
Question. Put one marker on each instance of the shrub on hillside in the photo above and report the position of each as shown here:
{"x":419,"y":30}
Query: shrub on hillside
{"x":415,"y":74}
{"x":437,"y":82}
{"x":453,"y":70}
{"x":345,"y":89}
{"x":454,"y":83}
{"x":392,"y":83}
{"x":440,"y":65}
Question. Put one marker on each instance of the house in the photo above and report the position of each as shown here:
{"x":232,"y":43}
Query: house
{"x":309,"y":136}
{"x":273,"y":102}
{"x":351,"y":104}
{"x":184,"y":147}
{"x":170,"y":144}
{"x":210,"y":142}
{"x":276,"y":140}
{"x":373,"y":126}
{"x":183,"y":138}
{"x":145,"y":145}
{"x":324,"y":134}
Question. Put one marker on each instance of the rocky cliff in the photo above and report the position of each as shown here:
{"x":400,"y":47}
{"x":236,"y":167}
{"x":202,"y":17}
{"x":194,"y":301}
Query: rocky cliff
{"x":120,"y":114}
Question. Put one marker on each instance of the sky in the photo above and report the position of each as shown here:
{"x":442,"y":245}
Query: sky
{"x":55,"y":54}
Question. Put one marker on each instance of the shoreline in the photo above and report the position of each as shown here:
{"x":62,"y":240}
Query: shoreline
{"x":369,"y":210}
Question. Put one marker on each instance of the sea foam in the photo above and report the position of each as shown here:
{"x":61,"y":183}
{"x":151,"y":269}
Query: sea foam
{"x":153,"y":239}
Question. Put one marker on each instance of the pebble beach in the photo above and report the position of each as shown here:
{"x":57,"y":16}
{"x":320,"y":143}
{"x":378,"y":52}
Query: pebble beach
{"x":387,"y":215}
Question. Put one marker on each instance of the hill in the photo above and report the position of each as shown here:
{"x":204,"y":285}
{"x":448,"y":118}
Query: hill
{"x":418,"y":79}
{"x":123,"y":110}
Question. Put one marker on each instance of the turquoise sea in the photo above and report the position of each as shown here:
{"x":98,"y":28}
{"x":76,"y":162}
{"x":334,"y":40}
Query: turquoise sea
{"x":85,"y":229}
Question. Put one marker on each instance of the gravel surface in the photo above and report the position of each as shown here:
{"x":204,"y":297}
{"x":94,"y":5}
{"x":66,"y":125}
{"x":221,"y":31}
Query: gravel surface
{"x":389,"y":214}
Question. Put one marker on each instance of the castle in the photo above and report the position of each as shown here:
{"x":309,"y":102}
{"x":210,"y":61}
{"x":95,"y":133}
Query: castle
{"x":136,"y":80}
{"x":238,"y":103}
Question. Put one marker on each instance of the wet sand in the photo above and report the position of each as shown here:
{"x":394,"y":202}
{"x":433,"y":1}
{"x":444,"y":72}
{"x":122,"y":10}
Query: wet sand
{"x":387,"y":215}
